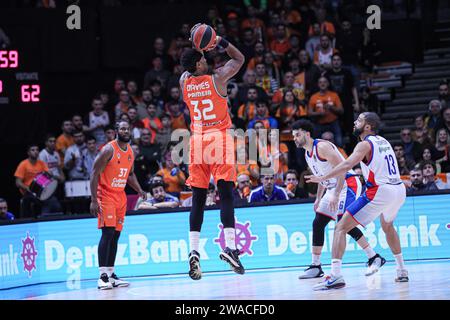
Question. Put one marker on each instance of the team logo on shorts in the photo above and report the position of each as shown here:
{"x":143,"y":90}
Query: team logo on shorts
{"x":29,"y":254}
{"x":244,"y":238}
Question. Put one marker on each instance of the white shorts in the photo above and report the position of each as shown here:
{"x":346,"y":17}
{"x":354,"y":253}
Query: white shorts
{"x":350,"y":192}
{"x":385,"y":199}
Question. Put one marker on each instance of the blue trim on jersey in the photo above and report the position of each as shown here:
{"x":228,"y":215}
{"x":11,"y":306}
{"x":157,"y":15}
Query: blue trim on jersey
{"x":349,"y":198}
{"x":358,"y":204}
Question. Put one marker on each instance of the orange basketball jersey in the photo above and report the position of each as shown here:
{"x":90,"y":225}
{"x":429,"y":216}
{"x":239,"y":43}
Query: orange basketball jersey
{"x":207,"y":107}
{"x":114,"y":178}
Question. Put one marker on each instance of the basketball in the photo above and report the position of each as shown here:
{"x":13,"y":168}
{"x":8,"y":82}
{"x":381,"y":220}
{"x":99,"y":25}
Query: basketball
{"x":203,"y":37}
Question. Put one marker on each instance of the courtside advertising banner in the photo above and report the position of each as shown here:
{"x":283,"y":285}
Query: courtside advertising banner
{"x":153,"y":244}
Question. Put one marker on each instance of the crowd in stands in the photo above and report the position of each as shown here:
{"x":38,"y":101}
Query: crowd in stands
{"x":301,"y":61}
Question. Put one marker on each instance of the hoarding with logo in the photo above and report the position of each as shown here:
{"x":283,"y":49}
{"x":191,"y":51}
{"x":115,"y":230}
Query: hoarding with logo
{"x":153,"y":244}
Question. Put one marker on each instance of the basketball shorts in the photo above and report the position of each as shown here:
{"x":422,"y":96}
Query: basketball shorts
{"x":112,"y":210}
{"x":211,"y":154}
{"x":384,"y":200}
{"x":350,"y":192}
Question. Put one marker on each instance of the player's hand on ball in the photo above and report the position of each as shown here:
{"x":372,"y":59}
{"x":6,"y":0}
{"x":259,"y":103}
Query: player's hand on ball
{"x":94,"y":208}
{"x":313,"y":179}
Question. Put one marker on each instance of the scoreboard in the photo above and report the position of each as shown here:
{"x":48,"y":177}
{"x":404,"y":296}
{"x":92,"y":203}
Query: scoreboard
{"x":18,"y":86}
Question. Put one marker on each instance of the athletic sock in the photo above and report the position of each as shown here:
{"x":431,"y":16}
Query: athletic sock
{"x":316,"y":259}
{"x":103,"y":270}
{"x":109,"y":271}
{"x":336,"y":267}
{"x":399,"y":261}
{"x":369,"y":251}
{"x":230,"y":238}
{"x":194,"y":239}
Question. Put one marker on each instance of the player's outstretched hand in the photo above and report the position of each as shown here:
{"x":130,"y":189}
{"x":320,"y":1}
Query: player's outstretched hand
{"x":313,"y":179}
{"x":94,"y":208}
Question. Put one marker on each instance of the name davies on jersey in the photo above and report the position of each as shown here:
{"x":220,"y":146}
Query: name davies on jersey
{"x":197,"y":88}
{"x":119,"y":183}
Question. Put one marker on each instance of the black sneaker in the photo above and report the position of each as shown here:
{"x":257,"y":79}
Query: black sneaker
{"x":313,"y":271}
{"x":374,"y":264}
{"x":194,"y":265}
{"x":232,"y":257}
{"x":117,"y":282}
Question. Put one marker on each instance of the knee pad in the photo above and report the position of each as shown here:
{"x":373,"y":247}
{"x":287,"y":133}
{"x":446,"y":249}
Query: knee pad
{"x":355,"y":233}
{"x":319,"y":224}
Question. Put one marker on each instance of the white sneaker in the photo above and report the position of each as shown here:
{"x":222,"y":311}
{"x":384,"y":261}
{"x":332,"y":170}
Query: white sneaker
{"x":374,"y":264}
{"x":402,"y":275}
{"x":330,"y":282}
{"x":103,"y":283}
{"x":117,"y":282}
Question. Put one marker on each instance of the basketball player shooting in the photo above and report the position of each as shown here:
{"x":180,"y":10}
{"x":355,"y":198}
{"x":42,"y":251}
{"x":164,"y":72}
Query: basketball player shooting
{"x":205,"y":96}
{"x":384,"y":196}
{"x":333,"y":196}
{"x":113,"y":169}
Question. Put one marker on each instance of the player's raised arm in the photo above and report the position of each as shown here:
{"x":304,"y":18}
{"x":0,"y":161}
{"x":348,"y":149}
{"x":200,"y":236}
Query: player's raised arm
{"x":361,"y":150}
{"x":231,"y":68}
{"x":100,"y":163}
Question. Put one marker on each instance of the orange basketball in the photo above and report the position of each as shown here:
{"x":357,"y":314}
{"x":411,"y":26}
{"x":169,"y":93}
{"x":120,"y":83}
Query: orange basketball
{"x":204,"y":37}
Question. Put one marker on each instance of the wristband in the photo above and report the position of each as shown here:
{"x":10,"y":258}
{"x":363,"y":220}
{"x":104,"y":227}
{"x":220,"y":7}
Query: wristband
{"x":223,"y":43}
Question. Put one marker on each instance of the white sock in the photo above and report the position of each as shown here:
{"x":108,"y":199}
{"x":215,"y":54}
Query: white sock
{"x":109,"y":271}
{"x":399,"y":261}
{"x":369,"y":251}
{"x":316,"y":259}
{"x":194,"y":239}
{"x":103,"y":270}
{"x":336,"y":267}
{"x":230,"y":238}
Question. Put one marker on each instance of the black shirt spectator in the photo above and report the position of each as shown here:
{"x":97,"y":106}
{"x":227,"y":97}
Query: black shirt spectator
{"x":150,"y":151}
{"x":416,"y":178}
{"x":347,"y":42}
{"x":413,"y":149}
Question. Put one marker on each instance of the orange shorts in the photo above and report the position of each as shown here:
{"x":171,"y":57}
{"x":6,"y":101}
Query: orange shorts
{"x":211,"y":154}
{"x":112,"y":211}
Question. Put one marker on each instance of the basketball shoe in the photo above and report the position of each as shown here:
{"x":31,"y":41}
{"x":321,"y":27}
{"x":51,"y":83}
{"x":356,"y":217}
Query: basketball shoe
{"x":374,"y":264}
{"x":117,"y":282}
{"x":312,"y":271}
{"x":402,"y":275}
{"x":232,"y":257}
{"x":330,"y":282}
{"x":103,"y":283}
{"x":194,"y":265}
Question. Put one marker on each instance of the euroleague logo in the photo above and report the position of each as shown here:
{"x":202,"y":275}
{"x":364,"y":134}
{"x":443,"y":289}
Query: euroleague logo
{"x":29,"y":254}
{"x":244,"y":238}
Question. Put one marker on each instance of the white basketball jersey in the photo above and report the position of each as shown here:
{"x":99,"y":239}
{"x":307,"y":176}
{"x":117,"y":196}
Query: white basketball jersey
{"x":382,"y":167}
{"x":320,"y":166}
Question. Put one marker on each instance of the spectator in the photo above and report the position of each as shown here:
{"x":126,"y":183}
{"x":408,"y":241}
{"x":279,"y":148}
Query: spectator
{"x":163,"y":137}
{"x":147,"y":98}
{"x":254,"y":23}
{"x":119,"y":85}
{"x":245,"y":164}
{"x":341,"y":82}
{"x":25,"y":173}
{"x":152,"y":122}
{"x":264,"y":81}
{"x":173,"y":177}
{"x":65,"y":139}
{"x":247,"y":47}
{"x":308,"y":75}
{"x":325,"y":26}
{"x":325,"y":106}
{"x":132,"y":89}
{"x":272,"y":67}
{"x":150,"y":151}
{"x":348,"y":44}
{"x":159,"y":198}
{"x":370,"y":51}
{"x":78,"y":123}
{"x":177,"y":115}
{"x":399,"y":151}
{"x":444,"y":122}
{"x":428,"y":154}
{"x":177,"y":45}
{"x":412,"y":149}
{"x":249,"y":82}
{"x":313,"y":42}
{"x":402,"y":166}
{"x":280,"y":45}
{"x":262,"y":114}
{"x":429,"y":175}
{"x":442,"y":149}
{"x":329,"y":136}
{"x":444,"y":96}
{"x":211,"y":197}
{"x":322,"y":56}
{"x":258,"y":57}
{"x":4,"y":214}
{"x":90,"y":153}
{"x":416,"y":178}
{"x":247,"y":111}
{"x":74,"y":158}
{"x":123,"y":105}
{"x":290,"y":110}
{"x":292,"y":188}
{"x":422,"y":134}
{"x":242,"y":190}
{"x":290,"y":15}
{"x":368,"y":102}
{"x":140,"y":167}
{"x":232,"y":26}
{"x":52,"y":159}
{"x":98,"y":119}
{"x":434,"y":114}
{"x":135,"y":124}
{"x":159,"y":50}
{"x":268,"y":191}
{"x":289,"y":84}
{"x":110,"y":134}
{"x":174,"y":79}
{"x":158,"y":72}
{"x":158,"y":98}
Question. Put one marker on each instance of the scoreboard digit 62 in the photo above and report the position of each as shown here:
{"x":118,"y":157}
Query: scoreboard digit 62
{"x":17,"y":86}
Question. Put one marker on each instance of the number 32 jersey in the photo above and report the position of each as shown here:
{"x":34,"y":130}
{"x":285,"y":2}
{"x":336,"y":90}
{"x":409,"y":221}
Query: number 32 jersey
{"x":207,"y":107}
{"x":382,"y":166}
